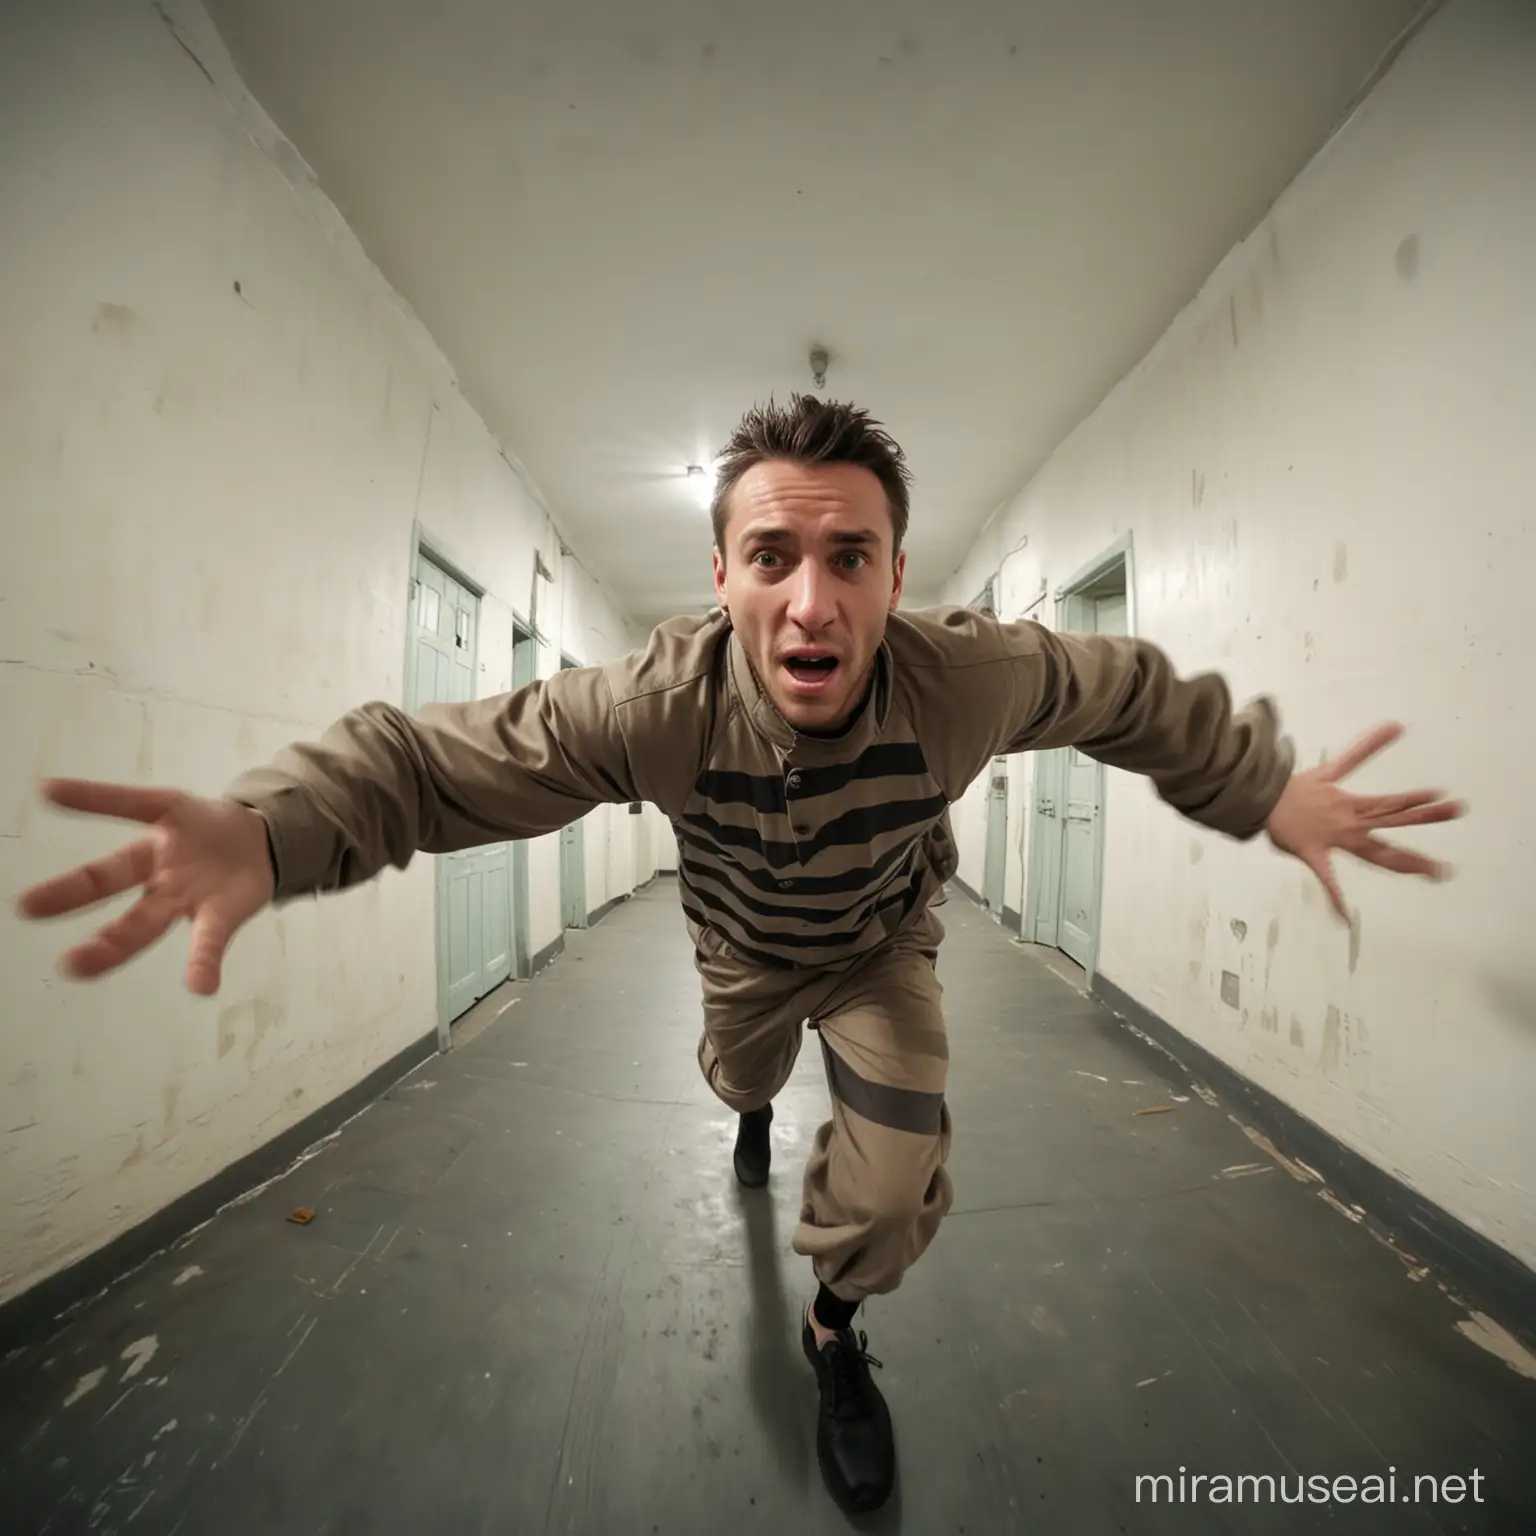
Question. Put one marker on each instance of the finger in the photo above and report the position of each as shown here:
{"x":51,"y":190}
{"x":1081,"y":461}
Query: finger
{"x":135,"y":930}
{"x":1322,"y":866}
{"x":1364,"y":749}
{"x":90,"y":883}
{"x":1421,"y":815}
{"x":127,"y":801}
{"x":1371,"y":806}
{"x":1401,"y":861}
{"x":211,"y":932}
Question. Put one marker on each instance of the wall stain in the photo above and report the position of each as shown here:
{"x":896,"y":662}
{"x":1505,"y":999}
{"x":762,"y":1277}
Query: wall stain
{"x":1407,"y":258}
{"x":1340,"y":561}
{"x":1232,"y":311}
{"x":115,"y":319}
{"x":1271,"y":944}
{"x":1270,"y":1020}
{"x":1297,"y":1037}
{"x":1332,"y":1043}
{"x":1239,"y":929}
{"x":1196,"y":488}
{"x":1354,"y":940}
{"x":1194,"y":971}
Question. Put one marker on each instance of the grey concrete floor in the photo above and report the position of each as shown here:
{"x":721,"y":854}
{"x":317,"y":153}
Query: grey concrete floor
{"x":534,"y":1300}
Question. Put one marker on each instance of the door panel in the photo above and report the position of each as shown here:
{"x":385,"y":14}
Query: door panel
{"x":1082,"y":811}
{"x":474,"y":886}
{"x":997,"y":836}
{"x":1045,"y":849}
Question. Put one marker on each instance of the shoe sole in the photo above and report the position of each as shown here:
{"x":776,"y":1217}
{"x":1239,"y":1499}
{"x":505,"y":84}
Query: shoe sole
{"x":748,"y":1182}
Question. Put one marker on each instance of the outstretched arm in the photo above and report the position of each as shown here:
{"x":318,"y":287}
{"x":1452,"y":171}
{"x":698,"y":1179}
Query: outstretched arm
{"x":376,"y":787}
{"x":1120,"y":700}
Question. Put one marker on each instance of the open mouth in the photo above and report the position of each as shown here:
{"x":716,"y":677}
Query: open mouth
{"x":810,"y":671}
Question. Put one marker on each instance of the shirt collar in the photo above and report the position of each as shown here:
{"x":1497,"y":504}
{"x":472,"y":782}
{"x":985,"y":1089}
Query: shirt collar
{"x":864,"y":729}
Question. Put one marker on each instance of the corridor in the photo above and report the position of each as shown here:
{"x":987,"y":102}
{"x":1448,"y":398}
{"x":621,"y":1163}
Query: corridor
{"x":532,"y":1299}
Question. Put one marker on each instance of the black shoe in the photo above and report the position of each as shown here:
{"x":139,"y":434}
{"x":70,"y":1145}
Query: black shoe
{"x":854,"y":1442}
{"x":753,"y":1153}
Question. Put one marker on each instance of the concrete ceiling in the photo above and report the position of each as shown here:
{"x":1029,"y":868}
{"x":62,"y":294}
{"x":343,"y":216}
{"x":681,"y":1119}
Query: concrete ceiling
{"x":623,"y":224}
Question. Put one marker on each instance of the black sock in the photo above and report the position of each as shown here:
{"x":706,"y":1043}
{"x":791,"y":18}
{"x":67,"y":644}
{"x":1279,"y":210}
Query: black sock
{"x":832,"y":1311}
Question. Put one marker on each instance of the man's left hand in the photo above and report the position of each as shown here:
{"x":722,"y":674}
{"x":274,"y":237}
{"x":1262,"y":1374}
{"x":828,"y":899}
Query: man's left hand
{"x":1314,"y":816}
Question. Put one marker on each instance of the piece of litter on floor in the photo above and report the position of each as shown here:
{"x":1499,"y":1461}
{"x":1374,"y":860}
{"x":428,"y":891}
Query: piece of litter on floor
{"x":1157,"y":1109}
{"x":1239,"y":1167}
{"x":302,"y":1216}
{"x":1133,"y":1082}
{"x":1418,"y":1274}
{"x":1094,"y":1075}
{"x":1180,"y":1098}
{"x":1206,"y":1095}
{"x":1150,"y":1381}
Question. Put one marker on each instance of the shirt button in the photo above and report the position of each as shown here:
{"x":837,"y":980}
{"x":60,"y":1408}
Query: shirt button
{"x":793,"y":781}
{"x":785,"y":885}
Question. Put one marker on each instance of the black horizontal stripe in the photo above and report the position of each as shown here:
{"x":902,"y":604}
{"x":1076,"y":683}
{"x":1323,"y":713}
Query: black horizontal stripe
{"x":789,"y":939}
{"x":765,"y":791}
{"x":852,"y":881}
{"x":862,"y":824}
{"x":780,"y":909}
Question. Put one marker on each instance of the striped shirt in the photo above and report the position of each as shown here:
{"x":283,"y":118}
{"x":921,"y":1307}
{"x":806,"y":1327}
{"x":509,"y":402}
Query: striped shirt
{"x":798,"y":851}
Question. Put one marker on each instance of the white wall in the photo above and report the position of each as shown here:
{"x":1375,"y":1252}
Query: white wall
{"x":1327,"y":465}
{"x":208,"y":497}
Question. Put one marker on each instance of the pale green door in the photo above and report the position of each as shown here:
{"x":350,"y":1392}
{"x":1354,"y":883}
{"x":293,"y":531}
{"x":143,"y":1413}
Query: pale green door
{"x":997,"y":837}
{"x":1082,"y":813}
{"x":1044,"y":905}
{"x":474,"y":892}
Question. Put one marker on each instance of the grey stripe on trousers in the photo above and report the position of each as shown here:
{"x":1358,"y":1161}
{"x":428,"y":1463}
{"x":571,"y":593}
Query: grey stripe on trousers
{"x":900,"y":1109}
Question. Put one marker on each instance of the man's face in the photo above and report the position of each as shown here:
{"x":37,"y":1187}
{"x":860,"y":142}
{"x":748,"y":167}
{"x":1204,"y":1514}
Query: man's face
{"x":808,"y":579}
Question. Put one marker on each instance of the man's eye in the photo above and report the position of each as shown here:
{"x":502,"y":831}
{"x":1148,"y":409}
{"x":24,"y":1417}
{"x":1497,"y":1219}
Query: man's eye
{"x":852,"y":560}
{"x":764,"y":556}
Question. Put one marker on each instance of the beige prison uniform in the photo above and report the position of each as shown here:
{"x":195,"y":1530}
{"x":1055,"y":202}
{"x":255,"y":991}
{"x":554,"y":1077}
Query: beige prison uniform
{"x":807,"y":866}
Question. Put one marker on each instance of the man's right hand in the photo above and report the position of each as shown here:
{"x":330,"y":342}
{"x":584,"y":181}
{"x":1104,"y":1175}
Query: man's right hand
{"x":205,"y":860}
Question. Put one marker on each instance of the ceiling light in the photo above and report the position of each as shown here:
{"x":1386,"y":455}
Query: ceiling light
{"x":703,"y":482}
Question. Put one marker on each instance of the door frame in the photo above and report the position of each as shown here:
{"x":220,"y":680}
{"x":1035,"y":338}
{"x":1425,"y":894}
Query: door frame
{"x":1121,"y":552}
{"x":425,"y":542}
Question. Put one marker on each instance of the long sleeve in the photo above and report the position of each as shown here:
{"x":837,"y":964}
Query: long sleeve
{"x":1119,"y":700}
{"x":381,"y":784}
{"x":987,"y":687}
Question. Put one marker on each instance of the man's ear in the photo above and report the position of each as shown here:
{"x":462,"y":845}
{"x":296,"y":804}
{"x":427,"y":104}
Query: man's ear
{"x":901,"y":575}
{"x":719,"y":561}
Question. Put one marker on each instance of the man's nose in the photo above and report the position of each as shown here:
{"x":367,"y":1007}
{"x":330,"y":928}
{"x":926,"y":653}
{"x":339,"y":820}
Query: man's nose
{"x":812,"y":603}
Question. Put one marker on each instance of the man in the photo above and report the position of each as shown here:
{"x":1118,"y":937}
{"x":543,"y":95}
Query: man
{"x":806,"y":741}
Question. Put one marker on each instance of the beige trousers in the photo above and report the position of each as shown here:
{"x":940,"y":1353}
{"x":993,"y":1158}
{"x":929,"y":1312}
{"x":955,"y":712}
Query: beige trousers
{"x":875,"y":1187}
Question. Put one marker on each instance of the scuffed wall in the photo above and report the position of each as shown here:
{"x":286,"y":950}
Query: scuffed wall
{"x":1327,"y":468}
{"x":217,"y":426}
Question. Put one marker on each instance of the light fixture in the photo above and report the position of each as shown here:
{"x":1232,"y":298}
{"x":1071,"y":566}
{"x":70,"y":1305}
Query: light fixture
{"x":703,"y":482}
